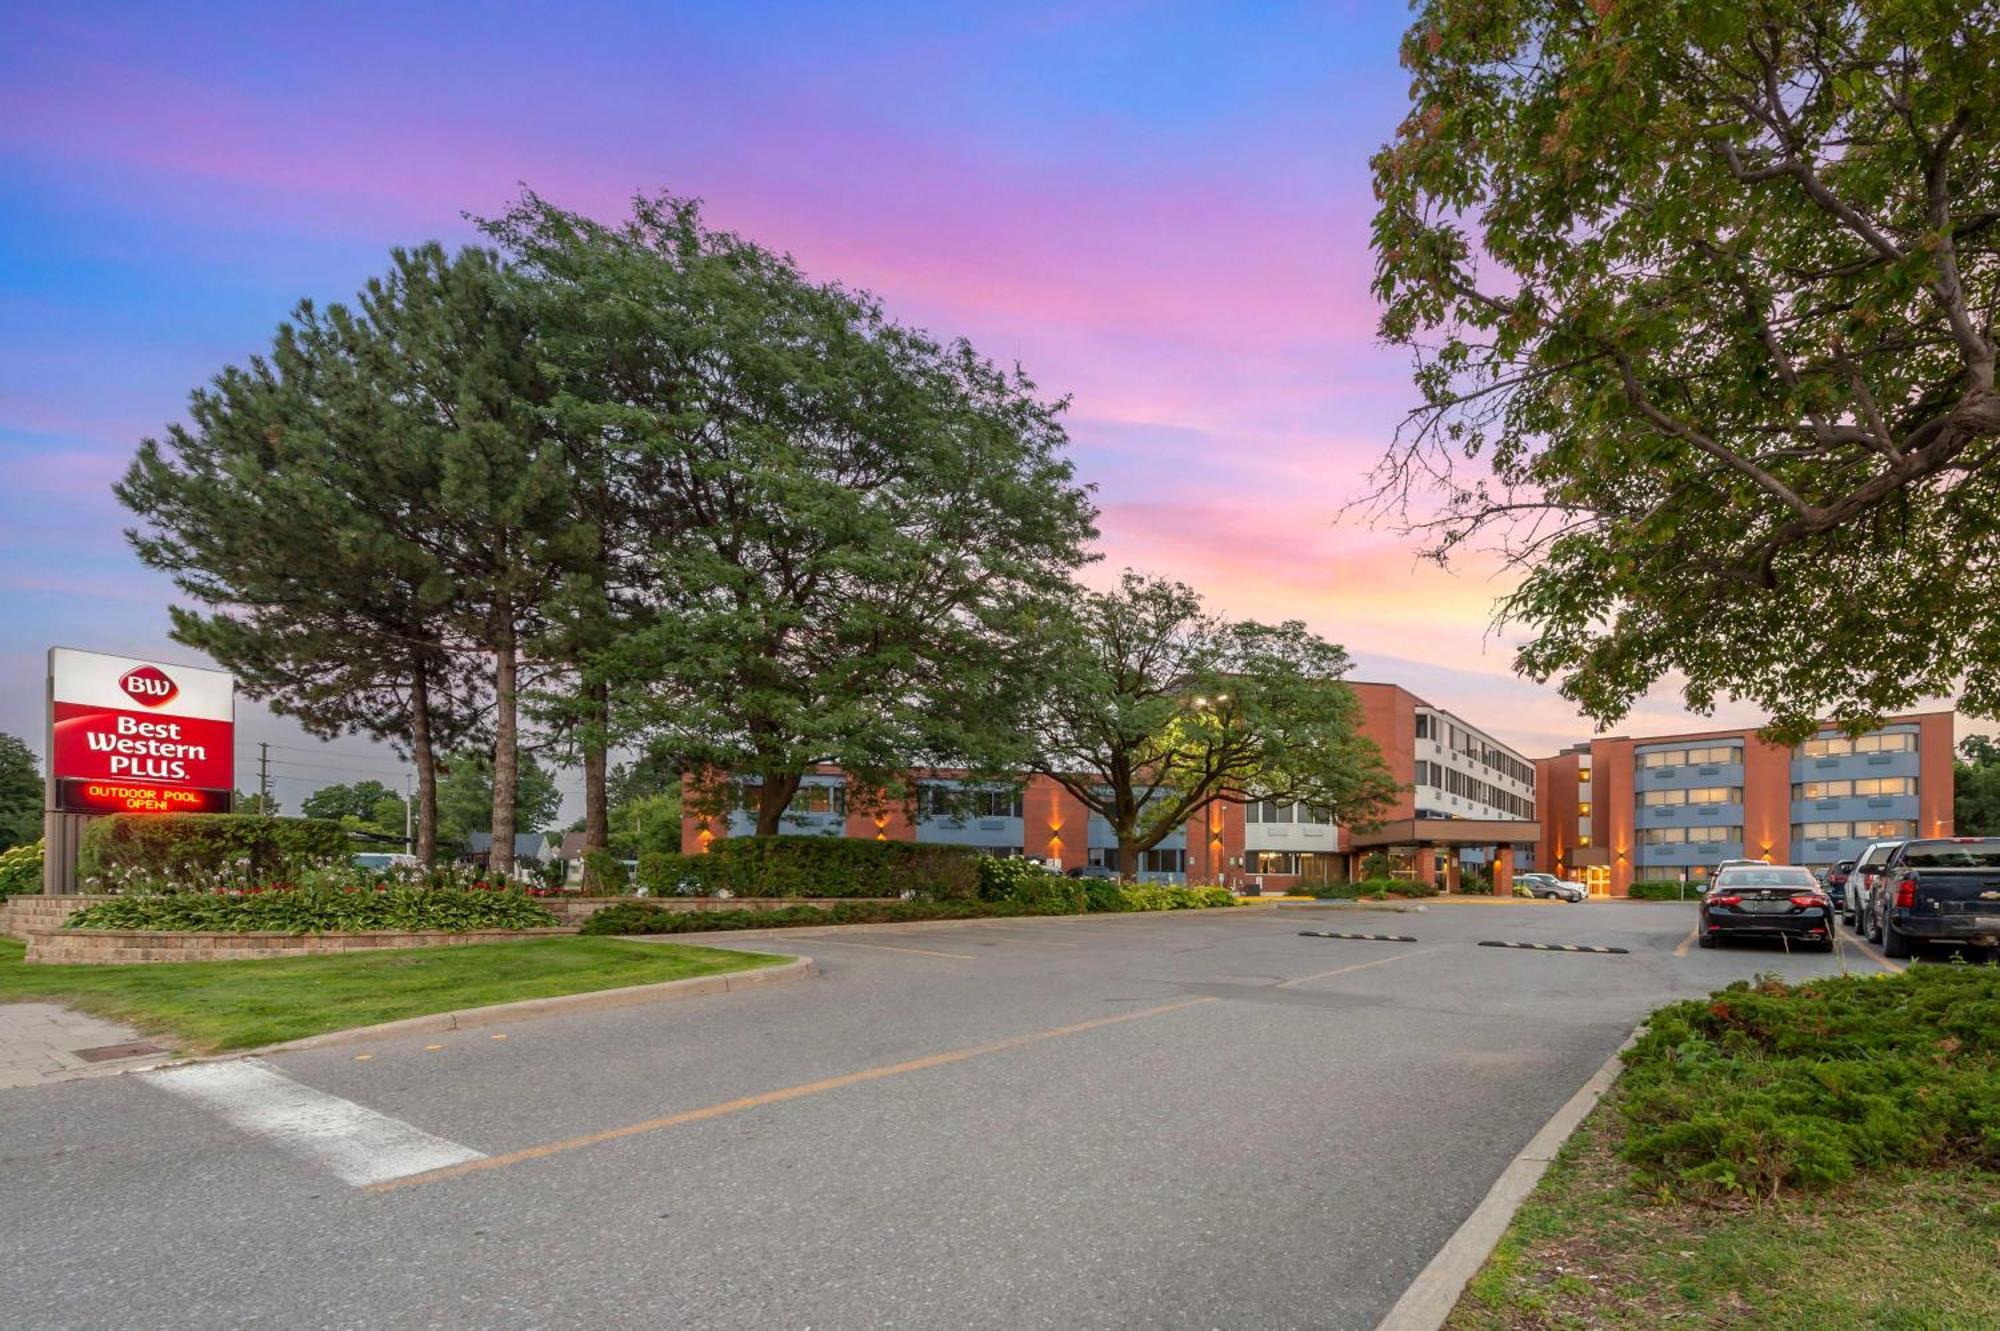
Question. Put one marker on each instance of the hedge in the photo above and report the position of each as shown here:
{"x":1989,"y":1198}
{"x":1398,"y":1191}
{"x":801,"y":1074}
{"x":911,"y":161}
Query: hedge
{"x":1770,"y":1086}
{"x":192,"y":850}
{"x":1663,"y":889}
{"x":634,"y":917}
{"x":320,"y":910}
{"x":805,"y":866}
{"x":20,"y":869}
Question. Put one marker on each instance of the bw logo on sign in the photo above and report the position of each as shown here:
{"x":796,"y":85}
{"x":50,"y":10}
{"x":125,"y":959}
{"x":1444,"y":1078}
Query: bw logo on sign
{"x":149,"y":686}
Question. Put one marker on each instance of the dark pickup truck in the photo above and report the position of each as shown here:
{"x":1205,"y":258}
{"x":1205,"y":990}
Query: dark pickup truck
{"x":1944,"y":890}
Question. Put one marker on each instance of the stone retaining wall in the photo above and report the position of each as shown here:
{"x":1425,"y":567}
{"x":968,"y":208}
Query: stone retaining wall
{"x":33,"y":910}
{"x":118,"y":947}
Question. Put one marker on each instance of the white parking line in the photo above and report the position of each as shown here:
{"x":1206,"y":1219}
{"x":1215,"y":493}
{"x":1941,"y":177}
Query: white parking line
{"x":357,"y":1144}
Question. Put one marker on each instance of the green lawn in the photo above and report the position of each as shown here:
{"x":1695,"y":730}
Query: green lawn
{"x":1902,"y":1249}
{"x":215,"y":1005}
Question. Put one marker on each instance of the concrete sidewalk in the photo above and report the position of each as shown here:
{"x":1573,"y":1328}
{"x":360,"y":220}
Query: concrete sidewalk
{"x":45,"y":1042}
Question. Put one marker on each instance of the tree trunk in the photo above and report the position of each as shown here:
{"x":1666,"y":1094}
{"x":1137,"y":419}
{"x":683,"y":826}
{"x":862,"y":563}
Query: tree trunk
{"x":596,"y":803}
{"x":1128,"y":857}
{"x":426,"y":757}
{"x":506,"y":776}
{"x":774,"y":797}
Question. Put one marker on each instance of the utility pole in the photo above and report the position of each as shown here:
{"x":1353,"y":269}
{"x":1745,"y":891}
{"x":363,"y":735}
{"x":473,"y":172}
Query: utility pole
{"x":263,"y":778}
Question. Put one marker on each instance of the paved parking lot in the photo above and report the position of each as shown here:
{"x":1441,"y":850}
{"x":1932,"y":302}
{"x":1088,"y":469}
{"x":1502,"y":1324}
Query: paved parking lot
{"x":1166,"y":1120}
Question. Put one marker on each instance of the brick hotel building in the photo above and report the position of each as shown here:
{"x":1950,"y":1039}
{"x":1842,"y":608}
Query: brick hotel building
{"x":1615,"y":811}
{"x":1468,"y":801}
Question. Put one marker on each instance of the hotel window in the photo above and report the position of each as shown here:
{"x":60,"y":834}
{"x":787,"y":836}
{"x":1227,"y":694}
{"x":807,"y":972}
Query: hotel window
{"x":1713,"y":754}
{"x":1583,"y":776}
{"x":1701,"y":833}
{"x":1267,"y":811}
{"x":1663,"y":836}
{"x":1163,"y":861}
{"x":1886,"y":828}
{"x":1274,"y":861}
{"x":1423,"y":725}
{"x":1873,"y":787}
{"x":1839,"y":746}
{"x":808,"y":799}
{"x":1881,"y":829}
{"x":1583,"y":808}
{"x":1582,"y":841}
{"x":1698,"y":795}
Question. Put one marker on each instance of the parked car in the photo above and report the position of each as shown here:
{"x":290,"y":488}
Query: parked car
{"x":378,"y":860}
{"x":1549,"y":887}
{"x":1092,"y":871}
{"x":1836,"y":884}
{"x":1861,"y":883}
{"x":1765,"y":901}
{"x":1937,"y":890}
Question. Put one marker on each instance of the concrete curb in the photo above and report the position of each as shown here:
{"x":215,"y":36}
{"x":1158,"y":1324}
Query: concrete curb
{"x":704,"y":937}
{"x":1434,"y":1293}
{"x":698,"y":986}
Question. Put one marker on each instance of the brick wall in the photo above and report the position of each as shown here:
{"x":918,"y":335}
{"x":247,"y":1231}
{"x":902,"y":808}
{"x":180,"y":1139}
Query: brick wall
{"x":35,"y":911}
{"x":118,"y":947}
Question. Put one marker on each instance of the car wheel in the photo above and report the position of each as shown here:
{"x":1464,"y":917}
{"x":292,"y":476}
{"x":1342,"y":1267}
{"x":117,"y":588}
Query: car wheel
{"x":1704,"y":940}
{"x":1871,"y":928}
{"x":1895,"y":943}
{"x":1826,"y":945}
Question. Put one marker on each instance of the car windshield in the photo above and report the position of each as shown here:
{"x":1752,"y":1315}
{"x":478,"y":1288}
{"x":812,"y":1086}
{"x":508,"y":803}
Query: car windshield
{"x":1780,"y":876}
{"x":1980,"y":854}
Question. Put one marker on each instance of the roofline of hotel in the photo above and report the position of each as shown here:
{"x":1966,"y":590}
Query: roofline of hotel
{"x":1728,"y":732}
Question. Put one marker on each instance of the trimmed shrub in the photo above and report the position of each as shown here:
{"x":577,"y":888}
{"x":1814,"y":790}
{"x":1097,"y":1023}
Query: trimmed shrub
{"x":1030,"y":885}
{"x":194,"y":851}
{"x":805,"y":866}
{"x":604,"y":874}
{"x":633,"y":917}
{"x":1663,"y":889}
{"x":1167,"y":896}
{"x":1412,"y":888}
{"x":1768,"y":1086}
{"x":20,"y":869}
{"x":669,"y":874}
{"x":320,"y":910}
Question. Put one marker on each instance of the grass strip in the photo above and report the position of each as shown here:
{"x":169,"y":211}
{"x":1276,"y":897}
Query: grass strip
{"x":209,"y":1006}
{"x":1593,"y":1248}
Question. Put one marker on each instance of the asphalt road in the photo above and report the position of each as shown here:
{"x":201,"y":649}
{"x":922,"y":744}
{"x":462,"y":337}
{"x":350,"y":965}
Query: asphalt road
{"x":1141,"y":1121}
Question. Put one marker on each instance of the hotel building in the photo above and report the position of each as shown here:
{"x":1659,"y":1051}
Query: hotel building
{"x":1468,"y":803}
{"x":1616,"y":811}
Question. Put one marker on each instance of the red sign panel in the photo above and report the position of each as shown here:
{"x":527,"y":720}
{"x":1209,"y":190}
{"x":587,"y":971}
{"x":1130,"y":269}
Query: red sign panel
{"x":138,"y":797}
{"x":102,"y":743}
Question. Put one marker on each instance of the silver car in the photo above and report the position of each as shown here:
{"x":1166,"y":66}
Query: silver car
{"x":1549,"y":887}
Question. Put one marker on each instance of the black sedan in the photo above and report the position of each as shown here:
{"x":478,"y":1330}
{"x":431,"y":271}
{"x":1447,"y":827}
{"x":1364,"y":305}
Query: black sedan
{"x":1766,"y":901}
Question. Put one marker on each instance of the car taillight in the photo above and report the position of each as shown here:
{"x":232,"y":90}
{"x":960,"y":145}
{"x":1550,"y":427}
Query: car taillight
{"x":1906,"y":894}
{"x":1808,"y":899}
{"x":1725,"y":901}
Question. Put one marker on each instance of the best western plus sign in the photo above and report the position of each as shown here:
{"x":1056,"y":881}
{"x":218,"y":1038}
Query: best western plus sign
{"x":129,"y":736}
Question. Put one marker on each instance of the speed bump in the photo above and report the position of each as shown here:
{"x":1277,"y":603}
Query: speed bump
{"x":1368,"y":938}
{"x":1556,"y":947}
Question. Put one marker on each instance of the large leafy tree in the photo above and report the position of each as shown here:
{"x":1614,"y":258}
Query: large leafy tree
{"x":20,"y":794}
{"x":1976,"y":787}
{"x":465,"y":797}
{"x":1702,"y":299}
{"x":838,"y":527}
{"x":1153,"y":708}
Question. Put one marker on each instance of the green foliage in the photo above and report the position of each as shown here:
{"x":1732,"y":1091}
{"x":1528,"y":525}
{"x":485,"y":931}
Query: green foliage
{"x":637,"y":918}
{"x":20,"y":794}
{"x":843,"y":525}
{"x":20,"y":869}
{"x":266,"y":805}
{"x":604,"y":874}
{"x":1183,"y":707}
{"x":1662,"y":889}
{"x":1702,"y":297}
{"x":805,"y":866}
{"x":465,"y":796}
{"x":1475,"y":885}
{"x":197,"y":850}
{"x":316,"y":910}
{"x":1768,"y":1086}
{"x":1411,"y":888}
{"x":1976,"y":787}
{"x":367,"y":801}
{"x":1165,"y":896}
{"x":1376,"y":865}
{"x":645,"y":823}
{"x":1003,"y":877}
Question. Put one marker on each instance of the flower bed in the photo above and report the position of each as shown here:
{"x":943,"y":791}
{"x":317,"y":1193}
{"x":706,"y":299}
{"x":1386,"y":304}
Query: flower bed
{"x":320,"y":909}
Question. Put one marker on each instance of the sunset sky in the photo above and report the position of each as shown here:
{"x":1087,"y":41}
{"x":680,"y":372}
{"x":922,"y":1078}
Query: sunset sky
{"x":1161,"y":211}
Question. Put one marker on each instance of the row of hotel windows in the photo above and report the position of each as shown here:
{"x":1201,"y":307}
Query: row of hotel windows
{"x":1872,"y":785}
{"x":1838,"y":746}
{"x":1718,"y":753}
{"x":1454,"y":782}
{"x":1880,"y":830}
{"x":1677,"y":836}
{"x":1269,"y":811}
{"x":1472,"y":746}
{"x":1150,"y":861}
{"x":1699,"y":795}
{"x":933,"y":801}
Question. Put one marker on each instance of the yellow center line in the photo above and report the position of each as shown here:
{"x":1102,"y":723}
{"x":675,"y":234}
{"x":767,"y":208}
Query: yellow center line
{"x":1688,"y":942}
{"x":1357,"y":966}
{"x":1867,"y":950}
{"x":891,"y":947}
{"x":798,"y":1092}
